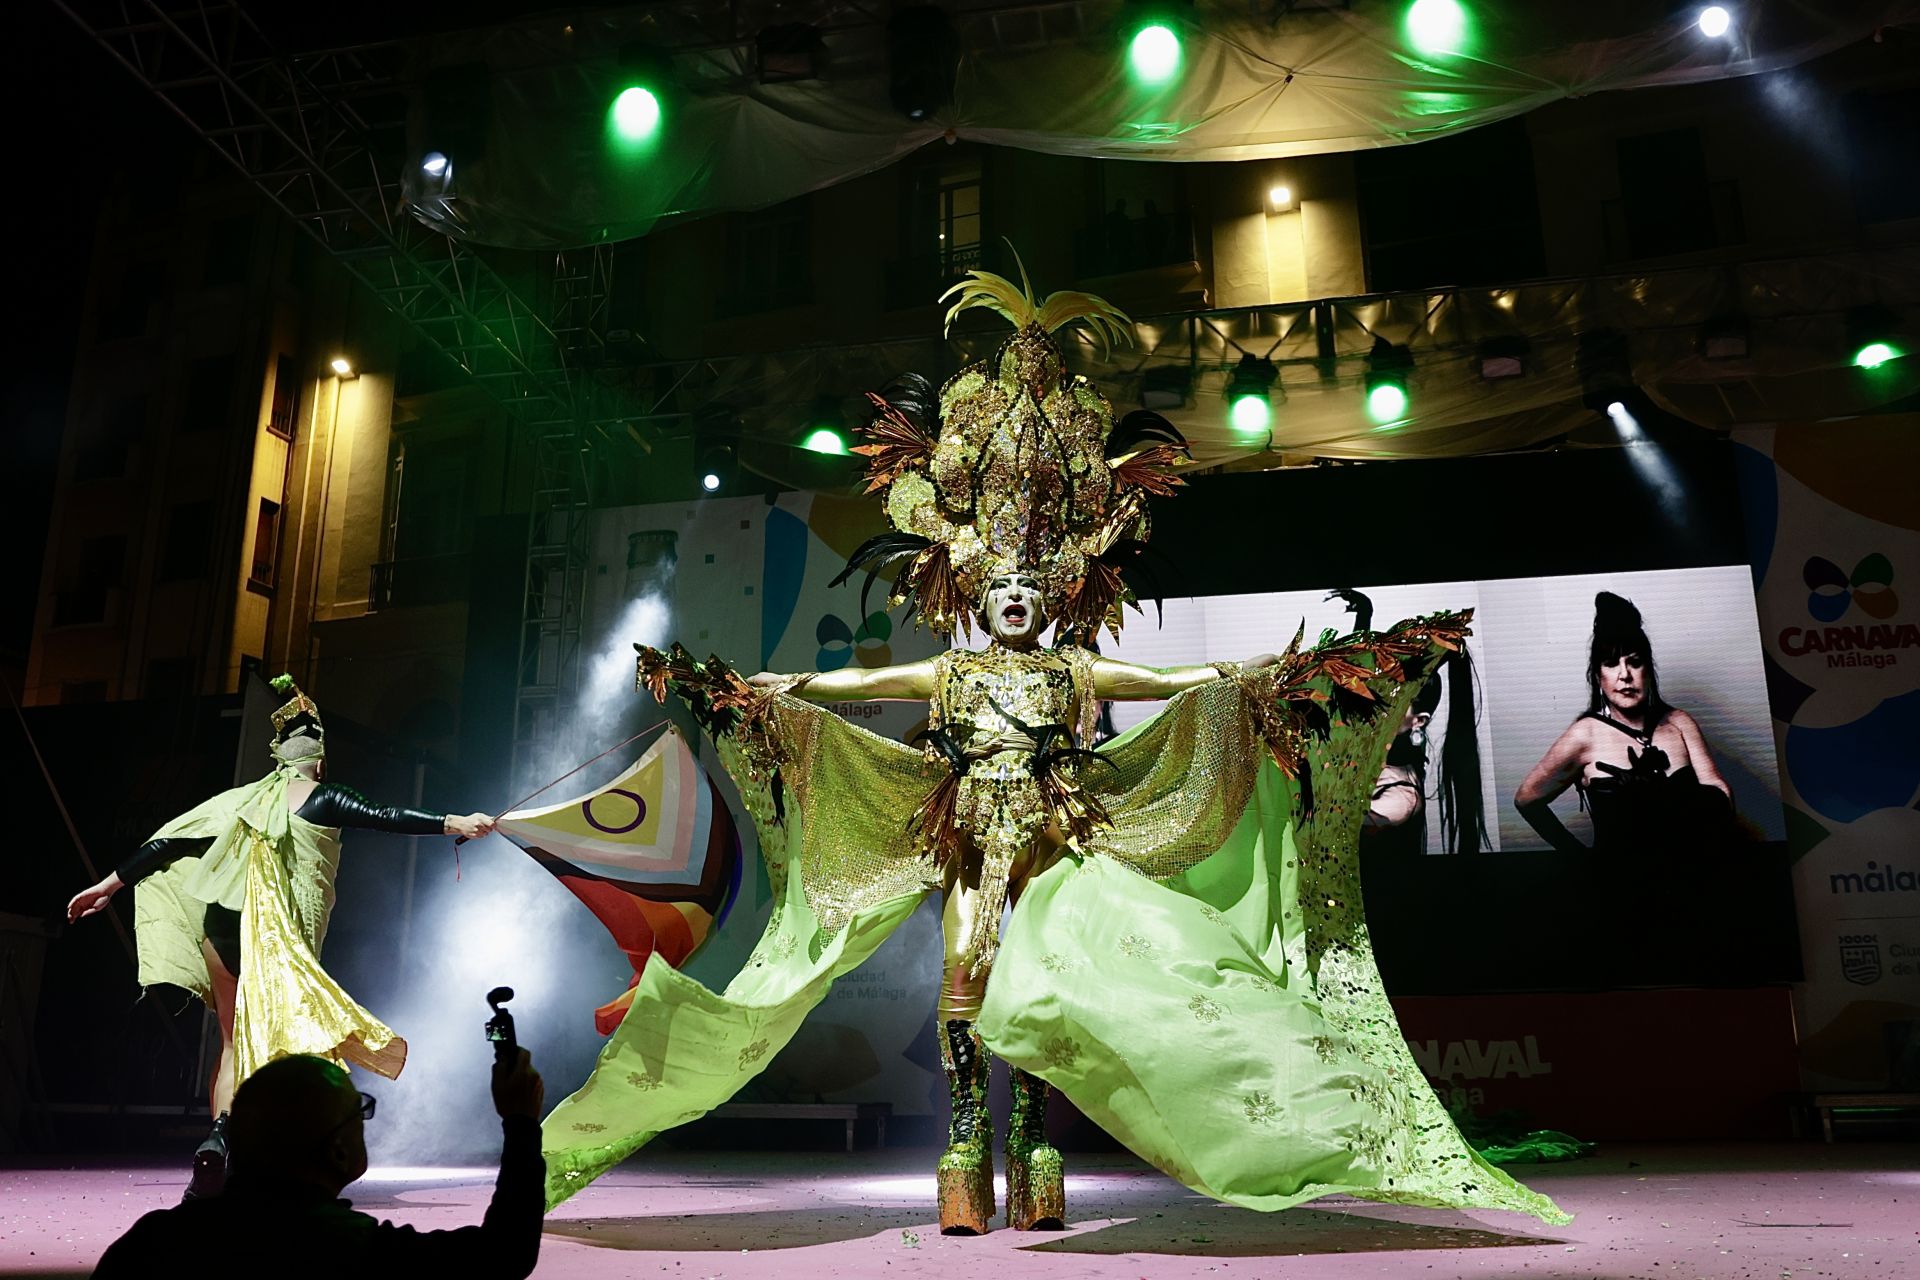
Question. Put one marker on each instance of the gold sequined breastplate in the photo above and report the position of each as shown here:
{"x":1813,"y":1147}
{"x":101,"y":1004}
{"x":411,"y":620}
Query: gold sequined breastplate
{"x":988,"y":691}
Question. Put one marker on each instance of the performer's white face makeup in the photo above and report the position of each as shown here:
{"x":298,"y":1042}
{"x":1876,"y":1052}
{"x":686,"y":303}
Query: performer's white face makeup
{"x":1623,"y":682}
{"x":1016,"y":612}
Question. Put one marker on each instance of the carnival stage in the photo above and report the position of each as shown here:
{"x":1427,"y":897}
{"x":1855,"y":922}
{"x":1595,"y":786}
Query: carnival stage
{"x":1722,"y":1212}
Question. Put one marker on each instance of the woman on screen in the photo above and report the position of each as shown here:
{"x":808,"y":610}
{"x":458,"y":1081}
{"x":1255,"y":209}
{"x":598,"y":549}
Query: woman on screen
{"x":1641,"y":767}
{"x":1396,"y":821}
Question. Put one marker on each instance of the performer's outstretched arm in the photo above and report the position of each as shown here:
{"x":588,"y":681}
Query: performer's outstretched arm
{"x":910,"y":682}
{"x":336,"y":806}
{"x":154,"y":855}
{"x":1127,"y":681}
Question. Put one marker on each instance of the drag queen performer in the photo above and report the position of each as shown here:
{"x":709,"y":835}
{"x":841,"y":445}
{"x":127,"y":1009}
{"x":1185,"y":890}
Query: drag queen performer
{"x":231,"y":904}
{"x":1187,"y":959}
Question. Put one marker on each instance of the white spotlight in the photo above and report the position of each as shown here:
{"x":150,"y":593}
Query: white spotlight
{"x":710,"y":482}
{"x":1280,"y":197}
{"x":434,"y":165}
{"x":1623,"y":420}
{"x":1714,"y":22}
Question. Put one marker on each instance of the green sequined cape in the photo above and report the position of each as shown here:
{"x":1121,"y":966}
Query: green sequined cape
{"x":1198,"y":979}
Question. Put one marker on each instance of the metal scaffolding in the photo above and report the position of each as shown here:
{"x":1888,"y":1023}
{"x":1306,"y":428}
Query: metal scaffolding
{"x":323,"y":138}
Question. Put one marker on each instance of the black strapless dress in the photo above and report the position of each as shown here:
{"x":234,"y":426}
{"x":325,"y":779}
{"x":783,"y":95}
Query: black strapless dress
{"x":1645,"y":808}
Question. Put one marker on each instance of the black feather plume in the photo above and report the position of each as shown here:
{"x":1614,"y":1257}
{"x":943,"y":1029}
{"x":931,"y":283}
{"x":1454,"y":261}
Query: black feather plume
{"x":944,"y":743}
{"x":876,"y":555}
{"x":1139,"y":429}
{"x":917,"y":400}
{"x":1138,"y":564}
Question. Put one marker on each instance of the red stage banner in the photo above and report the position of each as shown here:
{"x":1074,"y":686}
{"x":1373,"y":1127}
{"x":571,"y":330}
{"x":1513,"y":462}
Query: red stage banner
{"x":1619,"y":1065}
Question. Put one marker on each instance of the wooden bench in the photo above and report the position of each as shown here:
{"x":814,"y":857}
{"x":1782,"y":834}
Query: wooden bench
{"x":852,"y":1113}
{"x":1828,"y":1103}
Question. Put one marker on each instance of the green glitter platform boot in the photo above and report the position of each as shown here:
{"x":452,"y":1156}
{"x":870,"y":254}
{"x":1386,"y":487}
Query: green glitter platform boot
{"x":1036,"y":1177}
{"x":965,"y":1176}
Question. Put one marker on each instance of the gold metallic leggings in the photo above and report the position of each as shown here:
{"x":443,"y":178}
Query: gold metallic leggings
{"x":961,"y":993}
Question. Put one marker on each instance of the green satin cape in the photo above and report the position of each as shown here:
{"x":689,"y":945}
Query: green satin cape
{"x":1199,"y":982}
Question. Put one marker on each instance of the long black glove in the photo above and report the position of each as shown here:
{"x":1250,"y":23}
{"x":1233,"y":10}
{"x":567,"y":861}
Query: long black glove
{"x":334,"y":806}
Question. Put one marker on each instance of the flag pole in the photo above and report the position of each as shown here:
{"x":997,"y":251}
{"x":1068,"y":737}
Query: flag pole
{"x":664,"y":724}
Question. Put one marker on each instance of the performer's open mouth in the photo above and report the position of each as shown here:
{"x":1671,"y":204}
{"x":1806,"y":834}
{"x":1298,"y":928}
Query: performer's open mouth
{"x":1016,"y":614}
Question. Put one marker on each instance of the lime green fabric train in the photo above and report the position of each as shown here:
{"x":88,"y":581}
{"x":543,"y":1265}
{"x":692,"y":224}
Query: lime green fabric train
{"x":1197,"y":979}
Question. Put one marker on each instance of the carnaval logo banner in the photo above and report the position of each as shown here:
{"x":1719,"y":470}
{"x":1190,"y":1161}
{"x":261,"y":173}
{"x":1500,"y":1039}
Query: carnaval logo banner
{"x":1834,"y":534}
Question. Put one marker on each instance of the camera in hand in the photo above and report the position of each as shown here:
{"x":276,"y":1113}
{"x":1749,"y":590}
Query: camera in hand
{"x":500,"y":1025}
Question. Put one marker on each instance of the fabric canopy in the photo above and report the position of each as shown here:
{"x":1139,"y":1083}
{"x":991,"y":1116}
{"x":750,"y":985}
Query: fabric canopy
{"x":536,"y":166}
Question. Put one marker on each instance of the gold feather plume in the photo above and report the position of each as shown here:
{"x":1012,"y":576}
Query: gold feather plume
{"x":998,"y":294}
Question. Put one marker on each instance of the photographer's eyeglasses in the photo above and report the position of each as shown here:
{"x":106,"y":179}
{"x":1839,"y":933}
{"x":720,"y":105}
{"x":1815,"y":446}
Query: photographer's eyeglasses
{"x":367,"y":1105}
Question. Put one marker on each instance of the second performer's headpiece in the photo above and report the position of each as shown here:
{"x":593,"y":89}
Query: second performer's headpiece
{"x":298,"y":734}
{"x":1015,"y":464}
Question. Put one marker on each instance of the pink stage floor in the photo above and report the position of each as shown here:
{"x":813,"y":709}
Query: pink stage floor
{"x":1659,"y":1213}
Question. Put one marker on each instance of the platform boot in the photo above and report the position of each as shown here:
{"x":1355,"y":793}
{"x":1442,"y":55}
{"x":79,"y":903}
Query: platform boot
{"x":965,"y":1176}
{"x":209,"y":1165}
{"x":1036,"y":1177}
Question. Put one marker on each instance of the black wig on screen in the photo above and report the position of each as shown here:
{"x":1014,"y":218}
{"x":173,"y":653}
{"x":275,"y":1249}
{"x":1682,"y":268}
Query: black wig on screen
{"x":1463,"y":825}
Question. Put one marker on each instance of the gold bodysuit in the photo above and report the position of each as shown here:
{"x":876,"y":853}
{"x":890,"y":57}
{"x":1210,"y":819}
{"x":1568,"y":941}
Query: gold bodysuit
{"x":1007,"y":800}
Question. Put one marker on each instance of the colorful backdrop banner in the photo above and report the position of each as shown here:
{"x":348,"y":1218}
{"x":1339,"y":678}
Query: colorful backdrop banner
{"x":1834,"y":533}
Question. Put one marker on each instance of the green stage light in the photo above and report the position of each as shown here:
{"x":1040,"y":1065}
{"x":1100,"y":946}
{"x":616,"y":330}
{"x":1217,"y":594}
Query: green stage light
{"x":1387,"y":402}
{"x":1154,"y":53}
{"x":1250,"y":414}
{"x":1875,"y":354}
{"x":825,"y":440}
{"x":1436,"y":26}
{"x":636,"y":113}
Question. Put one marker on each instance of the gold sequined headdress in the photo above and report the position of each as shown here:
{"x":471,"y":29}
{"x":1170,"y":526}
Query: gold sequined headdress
{"x":299,"y":718}
{"x":1018,"y":464}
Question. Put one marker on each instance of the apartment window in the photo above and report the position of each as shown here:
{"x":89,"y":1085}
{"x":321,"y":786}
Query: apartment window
{"x":129,"y":304}
{"x":433,"y":515}
{"x":103,"y":450}
{"x":187,"y":548}
{"x":286,"y":397}
{"x":101,"y":564}
{"x":209,"y":394}
{"x":229,"y":251}
{"x":266,"y":544}
{"x":942,"y":225}
{"x":103,"y":559}
{"x":956,"y":218}
{"x":1461,"y":210}
{"x":80,"y":607}
{"x":770,"y":258}
{"x":170,"y":678}
{"x":73,"y":692}
{"x":1667,"y":204}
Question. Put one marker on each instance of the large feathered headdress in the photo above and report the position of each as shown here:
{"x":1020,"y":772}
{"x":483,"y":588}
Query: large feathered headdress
{"x":1016,"y":463}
